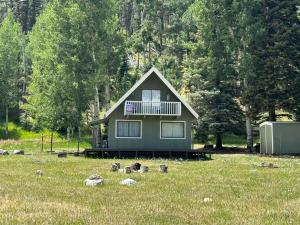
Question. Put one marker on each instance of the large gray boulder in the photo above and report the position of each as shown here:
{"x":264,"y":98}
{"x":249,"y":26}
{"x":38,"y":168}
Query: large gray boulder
{"x":128,"y":182}
{"x":94,"y":180}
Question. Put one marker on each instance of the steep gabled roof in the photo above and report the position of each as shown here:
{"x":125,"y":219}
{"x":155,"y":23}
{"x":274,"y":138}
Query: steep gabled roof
{"x":155,"y":71}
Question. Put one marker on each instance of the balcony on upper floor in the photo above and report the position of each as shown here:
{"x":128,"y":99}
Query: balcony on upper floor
{"x":150,"y":108}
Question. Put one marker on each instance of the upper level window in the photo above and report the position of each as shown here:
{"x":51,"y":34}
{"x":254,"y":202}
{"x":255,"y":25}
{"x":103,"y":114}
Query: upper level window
{"x":151,"y":95}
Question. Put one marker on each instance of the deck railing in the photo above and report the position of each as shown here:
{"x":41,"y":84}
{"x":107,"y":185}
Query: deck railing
{"x":152,"y":108}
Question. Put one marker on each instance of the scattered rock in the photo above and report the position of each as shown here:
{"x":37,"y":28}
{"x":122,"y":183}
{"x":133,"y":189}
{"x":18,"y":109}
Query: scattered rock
{"x":39,"y":173}
{"x":127,"y":169}
{"x":18,"y":152}
{"x":163,"y":168}
{"x":144,"y":169}
{"x":94,"y":177}
{"x":135,"y":166}
{"x":207,"y":200}
{"x":128,"y":182}
{"x":115,"y":167}
{"x":3,"y":152}
{"x":62,"y":155}
{"x":94,"y":180}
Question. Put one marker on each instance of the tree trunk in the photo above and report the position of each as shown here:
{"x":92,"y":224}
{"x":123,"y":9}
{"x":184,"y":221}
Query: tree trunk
{"x":248,"y":123}
{"x":96,"y":128}
{"x":6,"y":122}
{"x":72,"y":131}
{"x":24,"y":65}
{"x":78,"y":140}
{"x":107,"y":97}
{"x":272,"y":113}
{"x":149,"y":48}
{"x":68,"y":133}
{"x":248,"y":129}
{"x":51,"y":142}
{"x":162,"y":28}
{"x":219,"y":144}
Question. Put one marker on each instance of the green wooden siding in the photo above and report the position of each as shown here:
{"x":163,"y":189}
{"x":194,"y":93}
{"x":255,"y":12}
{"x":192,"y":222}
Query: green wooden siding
{"x":150,"y":124}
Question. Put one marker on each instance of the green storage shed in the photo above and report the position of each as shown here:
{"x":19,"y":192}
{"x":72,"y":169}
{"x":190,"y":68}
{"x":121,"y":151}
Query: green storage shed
{"x":280,"y":138}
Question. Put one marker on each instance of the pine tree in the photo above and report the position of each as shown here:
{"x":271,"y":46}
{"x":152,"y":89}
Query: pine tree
{"x":279,"y":58}
{"x":213,"y":84}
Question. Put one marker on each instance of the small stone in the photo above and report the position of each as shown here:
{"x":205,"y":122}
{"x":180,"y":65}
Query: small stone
{"x":39,"y":173}
{"x":135,"y":166}
{"x":114,"y":167}
{"x":3,"y":152}
{"x":163,"y":169}
{"x":62,"y":155}
{"x":207,"y":200}
{"x":127,"y":169}
{"x":144,"y":169}
{"x":18,"y":152}
{"x":95,"y":177}
{"x":128,"y":182}
{"x":94,"y":180}
{"x":97,"y":182}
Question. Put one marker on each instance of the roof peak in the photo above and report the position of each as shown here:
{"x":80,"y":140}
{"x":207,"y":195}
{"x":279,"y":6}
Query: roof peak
{"x":141,"y":80}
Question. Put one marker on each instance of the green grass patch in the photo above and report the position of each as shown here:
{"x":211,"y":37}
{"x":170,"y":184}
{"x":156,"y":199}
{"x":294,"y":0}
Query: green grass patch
{"x":16,"y":132}
{"x":31,"y":141}
{"x":241,"y":192}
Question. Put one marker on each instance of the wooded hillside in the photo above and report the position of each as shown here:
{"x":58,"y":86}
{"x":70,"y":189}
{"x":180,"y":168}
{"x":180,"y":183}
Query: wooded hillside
{"x":236,"y":61}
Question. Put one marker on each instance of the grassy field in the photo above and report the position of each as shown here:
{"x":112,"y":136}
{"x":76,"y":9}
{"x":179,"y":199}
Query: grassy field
{"x":241,"y":192}
{"x":31,"y":141}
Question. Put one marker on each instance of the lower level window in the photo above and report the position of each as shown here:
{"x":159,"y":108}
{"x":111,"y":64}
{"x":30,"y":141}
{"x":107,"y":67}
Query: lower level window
{"x":130,"y":129}
{"x":172,"y":130}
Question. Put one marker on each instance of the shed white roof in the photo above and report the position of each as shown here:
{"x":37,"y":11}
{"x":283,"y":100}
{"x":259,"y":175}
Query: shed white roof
{"x":278,"y":122}
{"x":155,"y":71}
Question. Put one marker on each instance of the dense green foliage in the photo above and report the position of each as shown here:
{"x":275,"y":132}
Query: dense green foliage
{"x":236,"y":61}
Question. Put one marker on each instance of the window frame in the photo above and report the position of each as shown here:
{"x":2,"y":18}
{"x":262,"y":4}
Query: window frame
{"x":121,"y":120}
{"x":172,"y":121}
{"x":151,"y":90}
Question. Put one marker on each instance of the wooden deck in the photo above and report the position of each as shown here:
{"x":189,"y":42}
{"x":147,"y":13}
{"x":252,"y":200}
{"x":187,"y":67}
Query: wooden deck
{"x":147,"y":153}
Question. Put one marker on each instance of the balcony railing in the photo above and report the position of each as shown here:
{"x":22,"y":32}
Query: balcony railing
{"x":152,"y":108}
